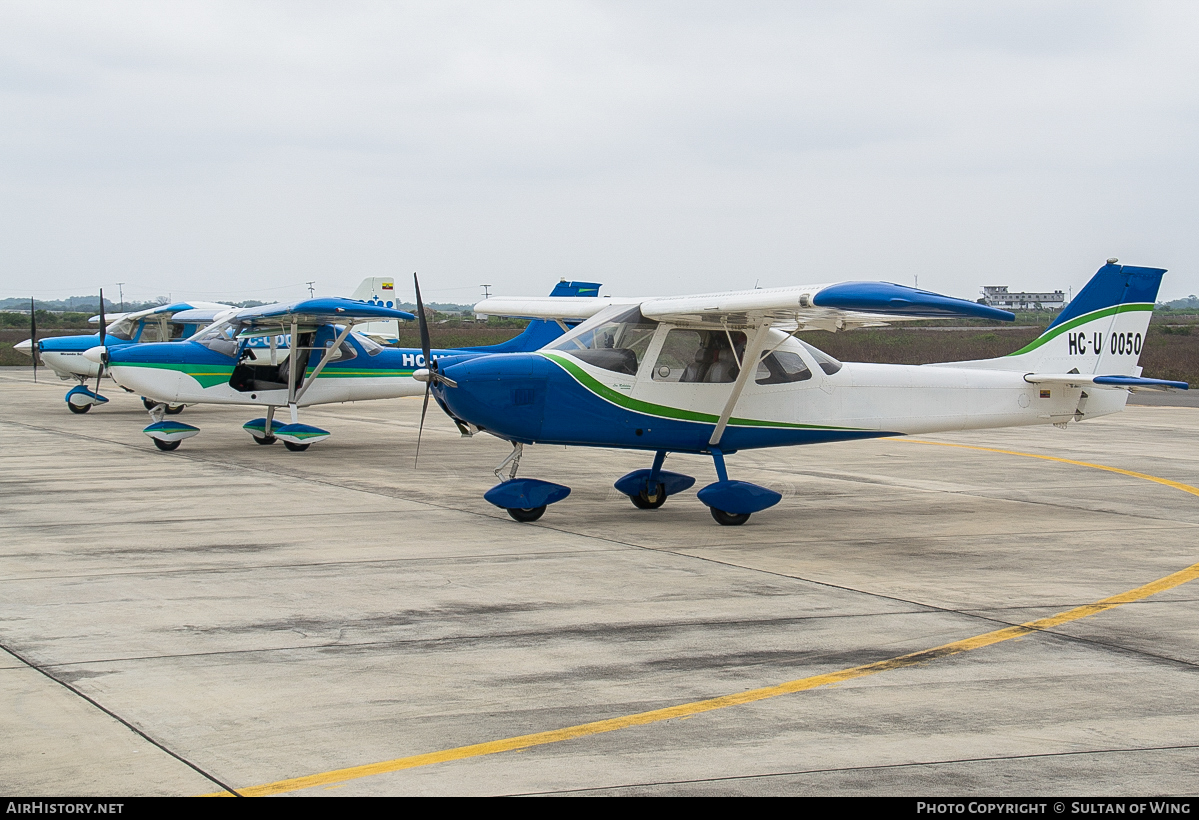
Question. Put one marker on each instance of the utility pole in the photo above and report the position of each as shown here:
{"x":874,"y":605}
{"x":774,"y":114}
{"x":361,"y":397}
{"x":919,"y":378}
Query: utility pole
{"x":121,"y":290}
{"x":310,"y":291}
{"x":486,"y":291}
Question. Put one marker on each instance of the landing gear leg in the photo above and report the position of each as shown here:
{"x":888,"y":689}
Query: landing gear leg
{"x":524,"y":499}
{"x":269,"y":438}
{"x":513,"y":458}
{"x":648,"y":489}
{"x":732,"y":502}
{"x":653,"y":494}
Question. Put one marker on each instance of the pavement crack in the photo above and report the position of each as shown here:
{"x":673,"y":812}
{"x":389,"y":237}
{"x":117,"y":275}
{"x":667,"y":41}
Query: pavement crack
{"x":128,"y":725}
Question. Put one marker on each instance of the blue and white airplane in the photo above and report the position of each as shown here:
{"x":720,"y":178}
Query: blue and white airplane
{"x":718,"y":373}
{"x":64,"y":354}
{"x":174,"y":322}
{"x":243,"y":359}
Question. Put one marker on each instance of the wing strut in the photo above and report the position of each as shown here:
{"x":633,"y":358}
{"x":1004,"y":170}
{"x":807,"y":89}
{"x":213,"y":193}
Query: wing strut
{"x":749,"y":366}
{"x":326,"y":357}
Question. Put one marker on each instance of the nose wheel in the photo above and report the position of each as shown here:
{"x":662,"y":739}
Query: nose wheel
{"x":167,"y":446}
{"x":79,"y":408}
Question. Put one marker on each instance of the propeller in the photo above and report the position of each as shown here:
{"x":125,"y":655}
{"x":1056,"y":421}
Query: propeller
{"x":426,"y":348}
{"x":33,"y":337}
{"x":104,"y":352}
{"x":428,"y":374}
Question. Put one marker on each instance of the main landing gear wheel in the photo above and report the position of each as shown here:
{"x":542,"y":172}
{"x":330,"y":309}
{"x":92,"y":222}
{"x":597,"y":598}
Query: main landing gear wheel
{"x":291,"y":445}
{"x":76,"y":408}
{"x":167,"y":446}
{"x":525,"y":516}
{"x":175,"y":409}
{"x":645,"y":500}
{"x":727,"y":519}
{"x":268,"y":440}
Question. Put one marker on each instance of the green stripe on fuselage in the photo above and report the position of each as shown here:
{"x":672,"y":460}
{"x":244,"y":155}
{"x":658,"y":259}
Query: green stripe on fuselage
{"x":588,"y":382}
{"x":210,"y":375}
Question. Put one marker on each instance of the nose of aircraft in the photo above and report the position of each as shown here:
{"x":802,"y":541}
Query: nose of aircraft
{"x":25,"y":347}
{"x":503,"y":393}
{"x":95,"y":354}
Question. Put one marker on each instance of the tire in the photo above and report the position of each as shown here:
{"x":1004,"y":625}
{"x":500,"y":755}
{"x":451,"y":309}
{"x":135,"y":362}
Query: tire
{"x":726,"y":519}
{"x":295,"y":448}
{"x":266,"y":440}
{"x":77,"y":409}
{"x":149,"y":404}
{"x":645,"y":501}
{"x":167,"y":446}
{"x":175,"y":409}
{"x":525,"y":516}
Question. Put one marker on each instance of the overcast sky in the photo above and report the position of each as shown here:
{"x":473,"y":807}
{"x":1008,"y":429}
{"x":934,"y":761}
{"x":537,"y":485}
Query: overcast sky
{"x":237,"y":150}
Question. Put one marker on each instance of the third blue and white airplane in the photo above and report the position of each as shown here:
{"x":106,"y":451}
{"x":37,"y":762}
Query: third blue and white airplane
{"x":717,"y":373}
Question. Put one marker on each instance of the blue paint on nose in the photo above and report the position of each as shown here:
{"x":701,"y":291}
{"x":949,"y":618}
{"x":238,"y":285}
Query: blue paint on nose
{"x":502,"y":393}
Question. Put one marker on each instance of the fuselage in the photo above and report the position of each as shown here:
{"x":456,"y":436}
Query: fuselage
{"x":64,"y":354}
{"x":558,"y":396}
{"x":190,"y":373}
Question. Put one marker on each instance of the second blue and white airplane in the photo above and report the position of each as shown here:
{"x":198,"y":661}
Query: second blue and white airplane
{"x":246,"y":358}
{"x":717,"y":373}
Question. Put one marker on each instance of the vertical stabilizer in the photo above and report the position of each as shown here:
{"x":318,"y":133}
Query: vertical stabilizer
{"x":379,"y":290}
{"x":1100,"y":332}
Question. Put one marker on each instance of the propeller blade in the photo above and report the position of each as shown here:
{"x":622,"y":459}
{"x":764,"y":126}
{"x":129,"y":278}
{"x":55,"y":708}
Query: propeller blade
{"x":33,"y":337}
{"x":425,"y":345}
{"x":421,"y":429}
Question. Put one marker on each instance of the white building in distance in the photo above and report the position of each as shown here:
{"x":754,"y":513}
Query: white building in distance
{"x":998,"y":296}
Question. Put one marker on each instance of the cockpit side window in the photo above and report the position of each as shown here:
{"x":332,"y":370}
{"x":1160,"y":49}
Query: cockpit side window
{"x":692,"y":356}
{"x":782,"y":367}
{"x":151,"y":331}
{"x":369,"y":345}
{"x":827,"y":363}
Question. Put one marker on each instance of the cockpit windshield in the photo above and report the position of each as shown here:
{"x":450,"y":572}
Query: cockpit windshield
{"x":221,"y":337}
{"x":122,"y":329}
{"x":614,"y":339}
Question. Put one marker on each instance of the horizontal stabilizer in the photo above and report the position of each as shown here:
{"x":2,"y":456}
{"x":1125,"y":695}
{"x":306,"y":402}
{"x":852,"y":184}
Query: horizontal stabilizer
{"x":1133,"y":383}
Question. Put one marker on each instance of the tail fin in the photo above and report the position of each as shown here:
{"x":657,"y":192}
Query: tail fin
{"x":541,"y":332}
{"x":564,"y":288}
{"x":1100,"y":332}
{"x":379,"y":290}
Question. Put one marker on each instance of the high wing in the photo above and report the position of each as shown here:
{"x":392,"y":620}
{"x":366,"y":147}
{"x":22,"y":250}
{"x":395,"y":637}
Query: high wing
{"x":317,"y":312}
{"x":1133,"y":383}
{"x":170,"y":310}
{"x":202,"y":316}
{"x":837,"y":306}
{"x":560,"y":308}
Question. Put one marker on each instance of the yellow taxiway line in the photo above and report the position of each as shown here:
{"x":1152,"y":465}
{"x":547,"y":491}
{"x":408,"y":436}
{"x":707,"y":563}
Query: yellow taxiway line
{"x":740,"y":698}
